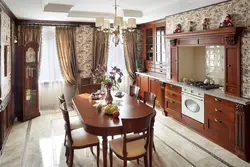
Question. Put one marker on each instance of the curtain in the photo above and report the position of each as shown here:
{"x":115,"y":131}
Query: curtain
{"x":65,"y":40}
{"x":130,"y":52}
{"x":51,"y":83}
{"x":100,"y":48}
{"x":116,"y":58}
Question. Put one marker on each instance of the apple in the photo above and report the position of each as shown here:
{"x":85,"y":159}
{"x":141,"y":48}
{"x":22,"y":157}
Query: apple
{"x":116,"y":114}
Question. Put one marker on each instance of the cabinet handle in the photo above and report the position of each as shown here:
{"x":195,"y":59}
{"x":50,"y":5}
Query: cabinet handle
{"x":217,"y":110}
{"x":171,"y":101}
{"x":216,"y":99}
{"x":172,"y":94}
{"x":217,"y":120}
{"x":171,"y":86}
{"x":228,"y":65}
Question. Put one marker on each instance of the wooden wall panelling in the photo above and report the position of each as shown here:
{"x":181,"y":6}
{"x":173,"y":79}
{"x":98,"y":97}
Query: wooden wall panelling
{"x":242,"y":131}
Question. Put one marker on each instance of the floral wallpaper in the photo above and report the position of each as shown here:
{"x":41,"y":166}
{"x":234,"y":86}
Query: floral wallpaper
{"x":84,"y":43}
{"x":5,"y":40}
{"x":239,"y":9}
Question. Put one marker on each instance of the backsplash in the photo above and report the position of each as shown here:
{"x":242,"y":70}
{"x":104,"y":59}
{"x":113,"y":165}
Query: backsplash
{"x":215,"y":61}
{"x":240,"y":10}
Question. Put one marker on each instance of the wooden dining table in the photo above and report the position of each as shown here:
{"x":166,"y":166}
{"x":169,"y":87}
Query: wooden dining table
{"x":99,"y":124}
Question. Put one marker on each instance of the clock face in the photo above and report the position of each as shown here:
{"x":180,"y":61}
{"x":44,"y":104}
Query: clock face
{"x":30,"y":56}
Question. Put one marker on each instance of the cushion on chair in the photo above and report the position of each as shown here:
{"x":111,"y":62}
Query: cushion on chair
{"x":82,"y":138}
{"x":75,"y":123}
{"x":134,"y":149}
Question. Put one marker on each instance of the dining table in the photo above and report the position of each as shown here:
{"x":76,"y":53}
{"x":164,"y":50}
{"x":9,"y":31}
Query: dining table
{"x":100,"y":124}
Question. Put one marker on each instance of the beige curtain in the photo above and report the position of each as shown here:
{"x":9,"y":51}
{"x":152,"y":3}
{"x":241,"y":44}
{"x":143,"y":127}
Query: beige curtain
{"x":130,"y":52}
{"x":65,"y":40}
{"x":100,"y":48}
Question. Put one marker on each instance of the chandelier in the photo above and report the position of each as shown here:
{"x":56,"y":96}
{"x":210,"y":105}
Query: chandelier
{"x":118,"y":26}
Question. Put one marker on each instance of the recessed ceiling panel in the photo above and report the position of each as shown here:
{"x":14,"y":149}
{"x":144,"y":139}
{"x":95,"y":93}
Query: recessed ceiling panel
{"x":87,"y":14}
{"x":132,"y":13}
{"x":61,"y":8}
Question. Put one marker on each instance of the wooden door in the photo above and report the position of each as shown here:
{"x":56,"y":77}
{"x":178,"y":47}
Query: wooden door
{"x":144,"y":85}
{"x":174,"y":66}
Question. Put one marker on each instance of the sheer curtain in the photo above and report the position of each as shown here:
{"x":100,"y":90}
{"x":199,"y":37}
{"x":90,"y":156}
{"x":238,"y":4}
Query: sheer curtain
{"x":51,"y":82}
{"x":116,"y":58}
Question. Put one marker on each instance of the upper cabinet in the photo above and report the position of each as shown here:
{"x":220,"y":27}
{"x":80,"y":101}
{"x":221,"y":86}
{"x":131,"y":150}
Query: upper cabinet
{"x":154,"y":47}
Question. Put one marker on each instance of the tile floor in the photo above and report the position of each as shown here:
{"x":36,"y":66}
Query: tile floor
{"x":39,"y":143}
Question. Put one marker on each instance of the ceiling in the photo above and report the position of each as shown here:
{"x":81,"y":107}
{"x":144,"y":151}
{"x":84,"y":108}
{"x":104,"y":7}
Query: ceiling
{"x":82,"y":10}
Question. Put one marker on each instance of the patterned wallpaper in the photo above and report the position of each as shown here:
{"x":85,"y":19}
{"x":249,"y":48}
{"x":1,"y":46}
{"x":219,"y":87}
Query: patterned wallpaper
{"x":84,"y":42}
{"x":240,"y":10}
{"x":5,"y":36}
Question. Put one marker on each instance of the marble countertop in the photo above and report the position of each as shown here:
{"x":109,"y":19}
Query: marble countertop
{"x":213,"y":92}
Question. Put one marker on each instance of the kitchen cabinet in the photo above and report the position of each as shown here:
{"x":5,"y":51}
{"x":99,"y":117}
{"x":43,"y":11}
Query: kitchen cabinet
{"x":155,"y":87}
{"x":219,"y":121}
{"x":173,"y":101}
{"x":174,"y":65}
{"x":144,"y":85}
{"x":154,"y":51}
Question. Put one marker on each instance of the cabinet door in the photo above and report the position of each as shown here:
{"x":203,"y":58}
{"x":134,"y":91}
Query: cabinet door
{"x":220,"y":130}
{"x":155,"y":87}
{"x":138,"y":81}
{"x":174,"y":63}
{"x":232,"y":71}
{"x":144,"y":85}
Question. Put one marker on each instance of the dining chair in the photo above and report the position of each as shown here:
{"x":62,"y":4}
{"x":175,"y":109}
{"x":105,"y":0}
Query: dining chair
{"x":74,"y":120}
{"x":134,"y":91}
{"x":150,"y":98}
{"x":77,"y":139}
{"x":132,"y":146}
{"x":90,"y":88}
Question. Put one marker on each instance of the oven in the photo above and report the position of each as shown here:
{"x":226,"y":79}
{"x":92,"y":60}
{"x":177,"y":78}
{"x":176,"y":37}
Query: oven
{"x":193,"y":104}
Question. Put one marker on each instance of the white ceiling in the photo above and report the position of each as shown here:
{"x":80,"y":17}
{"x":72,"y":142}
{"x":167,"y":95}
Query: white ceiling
{"x":152,"y":9}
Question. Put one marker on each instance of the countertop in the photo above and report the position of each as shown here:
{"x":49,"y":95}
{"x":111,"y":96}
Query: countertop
{"x":213,"y":92}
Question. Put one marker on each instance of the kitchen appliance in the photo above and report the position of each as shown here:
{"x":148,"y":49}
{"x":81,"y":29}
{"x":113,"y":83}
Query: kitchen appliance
{"x":202,"y":85}
{"x":193,"y":104}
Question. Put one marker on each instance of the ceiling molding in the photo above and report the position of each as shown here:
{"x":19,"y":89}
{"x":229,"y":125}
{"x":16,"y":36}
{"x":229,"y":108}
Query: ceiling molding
{"x":7,"y":10}
{"x":53,"y":23}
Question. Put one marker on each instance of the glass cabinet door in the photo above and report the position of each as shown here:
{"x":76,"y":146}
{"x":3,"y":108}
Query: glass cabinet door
{"x":149,"y":44}
{"x":160,"y":44}
{"x":31,"y":85}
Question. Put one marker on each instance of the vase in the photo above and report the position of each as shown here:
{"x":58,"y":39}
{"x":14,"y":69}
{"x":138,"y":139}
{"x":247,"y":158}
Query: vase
{"x":109,"y":98}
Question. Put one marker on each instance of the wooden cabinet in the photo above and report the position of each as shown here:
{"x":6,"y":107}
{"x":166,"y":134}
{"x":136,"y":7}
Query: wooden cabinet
{"x":154,"y":51}
{"x":155,"y":87}
{"x":144,"y":85}
{"x":219,"y":121}
{"x":173,"y":101}
{"x":26,"y":94}
{"x":232,"y":70}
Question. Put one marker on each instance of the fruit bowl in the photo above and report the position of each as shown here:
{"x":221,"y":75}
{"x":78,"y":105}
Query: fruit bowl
{"x":110,"y":109}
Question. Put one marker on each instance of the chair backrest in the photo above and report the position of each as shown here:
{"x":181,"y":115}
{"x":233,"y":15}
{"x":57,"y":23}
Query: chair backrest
{"x":90,"y":88}
{"x":66,"y":121}
{"x":149,"y":98}
{"x":61,"y":99}
{"x":138,"y":125}
{"x":134,"y":91}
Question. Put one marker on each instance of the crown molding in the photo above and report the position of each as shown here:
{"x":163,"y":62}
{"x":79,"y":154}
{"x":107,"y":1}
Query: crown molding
{"x":7,"y":10}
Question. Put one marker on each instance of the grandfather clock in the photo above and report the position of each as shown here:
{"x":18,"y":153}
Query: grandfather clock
{"x":26,"y":88}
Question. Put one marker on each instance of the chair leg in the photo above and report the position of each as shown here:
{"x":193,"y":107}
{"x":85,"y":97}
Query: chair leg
{"x":154,"y":147}
{"x":71,"y":157}
{"x":65,"y":139}
{"x":138,"y":162}
{"x":67,"y":153}
{"x":98,"y":154}
{"x":91,"y":149}
{"x":146,"y":160}
{"x":124,"y":163}
{"x":111,"y":157}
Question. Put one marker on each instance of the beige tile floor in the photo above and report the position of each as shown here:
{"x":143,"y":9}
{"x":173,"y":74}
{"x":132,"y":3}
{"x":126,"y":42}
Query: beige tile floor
{"x":39,"y":143}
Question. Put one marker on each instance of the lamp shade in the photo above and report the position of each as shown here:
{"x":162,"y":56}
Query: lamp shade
{"x":99,"y":22}
{"x":106,"y":24}
{"x":132,"y":23}
{"x":118,"y":21}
